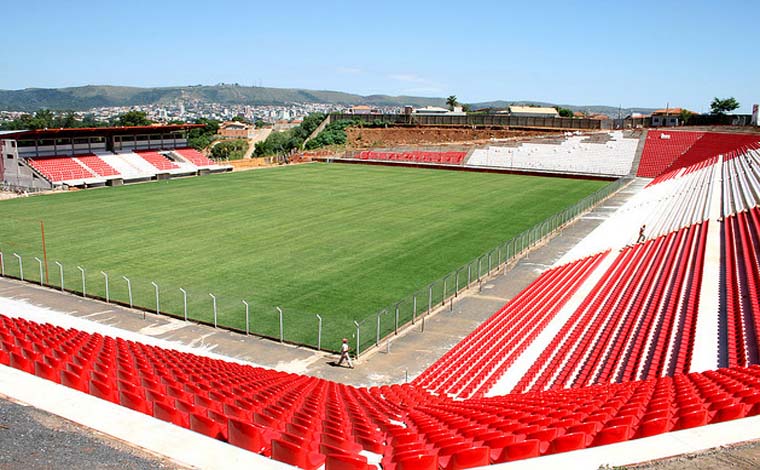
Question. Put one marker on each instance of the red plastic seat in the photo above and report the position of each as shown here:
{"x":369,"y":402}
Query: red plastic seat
{"x":347,"y":462}
{"x":568,"y":442}
{"x":613,"y":434}
{"x":245,"y":435}
{"x":692,"y":419}
{"x":294,"y":454}
{"x":167,"y":412}
{"x":418,"y":462}
{"x":77,"y":382}
{"x":206,"y":425}
{"x":135,"y":402}
{"x":46,"y":371}
{"x":519,"y":450}
{"x":472,"y":457}
{"x":653,"y":426}
{"x":104,"y":391}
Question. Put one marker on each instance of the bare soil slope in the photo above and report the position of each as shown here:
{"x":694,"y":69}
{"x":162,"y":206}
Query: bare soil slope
{"x":385,"y":137}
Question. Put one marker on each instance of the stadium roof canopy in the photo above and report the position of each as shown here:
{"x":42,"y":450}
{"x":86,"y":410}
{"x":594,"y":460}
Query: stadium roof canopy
{"x":96,"y":131}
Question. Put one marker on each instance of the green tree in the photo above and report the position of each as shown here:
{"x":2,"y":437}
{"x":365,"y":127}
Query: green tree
{"x":242,"y":119}
{"x":722,"y":106}
{"x":200,"y":138}
{"x":685,"y":116}
{"x":133,"y":118}
{"x":451,"y":101}
{"x":230,"y":149}
{"x":564,"y":112}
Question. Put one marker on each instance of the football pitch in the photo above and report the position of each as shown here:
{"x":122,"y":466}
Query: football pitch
{"x":341,"y":241}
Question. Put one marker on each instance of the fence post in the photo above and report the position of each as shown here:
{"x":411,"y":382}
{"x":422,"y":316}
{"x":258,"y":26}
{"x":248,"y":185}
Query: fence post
{"x":489,"y":262}
{"x":319,"y":333}
{"x":395,"y":330}
{"x":248,"y":319}
{"x":377,"y":331}
{"x":39,"y":261}
{"x":456,"y":290}
{"x":213,"y":300}
{"x":469,"y":273}
{"x":2,"y":264}
{"x":445,"y":283}
{"x":430,"y":299}
{"x":282,"y":335}
{"x":20,"y":265}
{"x":184,"y":301}
{"x":414,"y":308}
{"x":358,"y":343}
{"x":60,"y":269}
{"x":129,"y":291}
{"x":108,"y":296}
{"x":479,"y":263}
{"x":84,"y":281}
{"x":158,"y":308}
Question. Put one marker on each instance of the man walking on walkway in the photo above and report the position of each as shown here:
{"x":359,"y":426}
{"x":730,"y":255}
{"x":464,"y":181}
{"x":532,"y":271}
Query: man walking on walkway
{"x":344,"y":354}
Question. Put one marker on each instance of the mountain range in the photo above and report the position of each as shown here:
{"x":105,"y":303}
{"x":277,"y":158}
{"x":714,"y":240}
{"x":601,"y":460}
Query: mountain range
{"x":93,"y":96}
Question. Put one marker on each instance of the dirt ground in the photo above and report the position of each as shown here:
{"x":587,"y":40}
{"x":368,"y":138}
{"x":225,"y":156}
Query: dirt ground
{"x":739,"y":456}
{"x":385,"y":137}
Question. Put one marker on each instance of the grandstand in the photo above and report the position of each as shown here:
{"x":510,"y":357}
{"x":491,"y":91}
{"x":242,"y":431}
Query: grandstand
{"x":50,"y":158}
{"x":622,"y":341}
{"x":609,"y":154}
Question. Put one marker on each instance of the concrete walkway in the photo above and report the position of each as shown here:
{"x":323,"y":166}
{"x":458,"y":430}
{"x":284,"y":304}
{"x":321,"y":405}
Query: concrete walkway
{"x":409,"y":353}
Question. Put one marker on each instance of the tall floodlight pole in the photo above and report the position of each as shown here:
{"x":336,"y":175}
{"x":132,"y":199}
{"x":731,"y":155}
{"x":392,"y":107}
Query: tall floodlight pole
{"x":60,"y":270}
{"x":84,"y":280}
{"x":108,"y":294}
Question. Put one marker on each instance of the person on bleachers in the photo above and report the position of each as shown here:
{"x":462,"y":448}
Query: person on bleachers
{"x":642,"y":237}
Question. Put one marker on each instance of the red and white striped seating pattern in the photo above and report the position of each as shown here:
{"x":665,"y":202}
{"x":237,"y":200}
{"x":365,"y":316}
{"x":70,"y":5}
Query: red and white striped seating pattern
{"x":637,"y":323}
{"x":157,"y":160}
{"x":97,"y":165}
{"x":58,"y":169}
{"x":476,"y":362}
{"x":740,"y":298}
{"x":194,"y":157}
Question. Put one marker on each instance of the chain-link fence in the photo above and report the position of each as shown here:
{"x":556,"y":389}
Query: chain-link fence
{"x":22,"y":256}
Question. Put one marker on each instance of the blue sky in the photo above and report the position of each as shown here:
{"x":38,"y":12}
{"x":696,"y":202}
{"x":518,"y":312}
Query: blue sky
{"x":615,"y":53}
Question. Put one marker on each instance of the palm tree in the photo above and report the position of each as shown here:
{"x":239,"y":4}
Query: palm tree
{"x":451,"y":101}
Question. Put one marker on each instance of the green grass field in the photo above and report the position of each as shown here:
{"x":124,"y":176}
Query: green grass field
{"x":342,"y":241}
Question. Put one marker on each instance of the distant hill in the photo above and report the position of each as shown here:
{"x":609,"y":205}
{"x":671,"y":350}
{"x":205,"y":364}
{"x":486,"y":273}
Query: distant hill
{"x":94,"y":96}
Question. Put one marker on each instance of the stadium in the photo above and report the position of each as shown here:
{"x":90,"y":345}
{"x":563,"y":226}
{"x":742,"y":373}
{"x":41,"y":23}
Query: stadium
{"x":577,"y":297}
